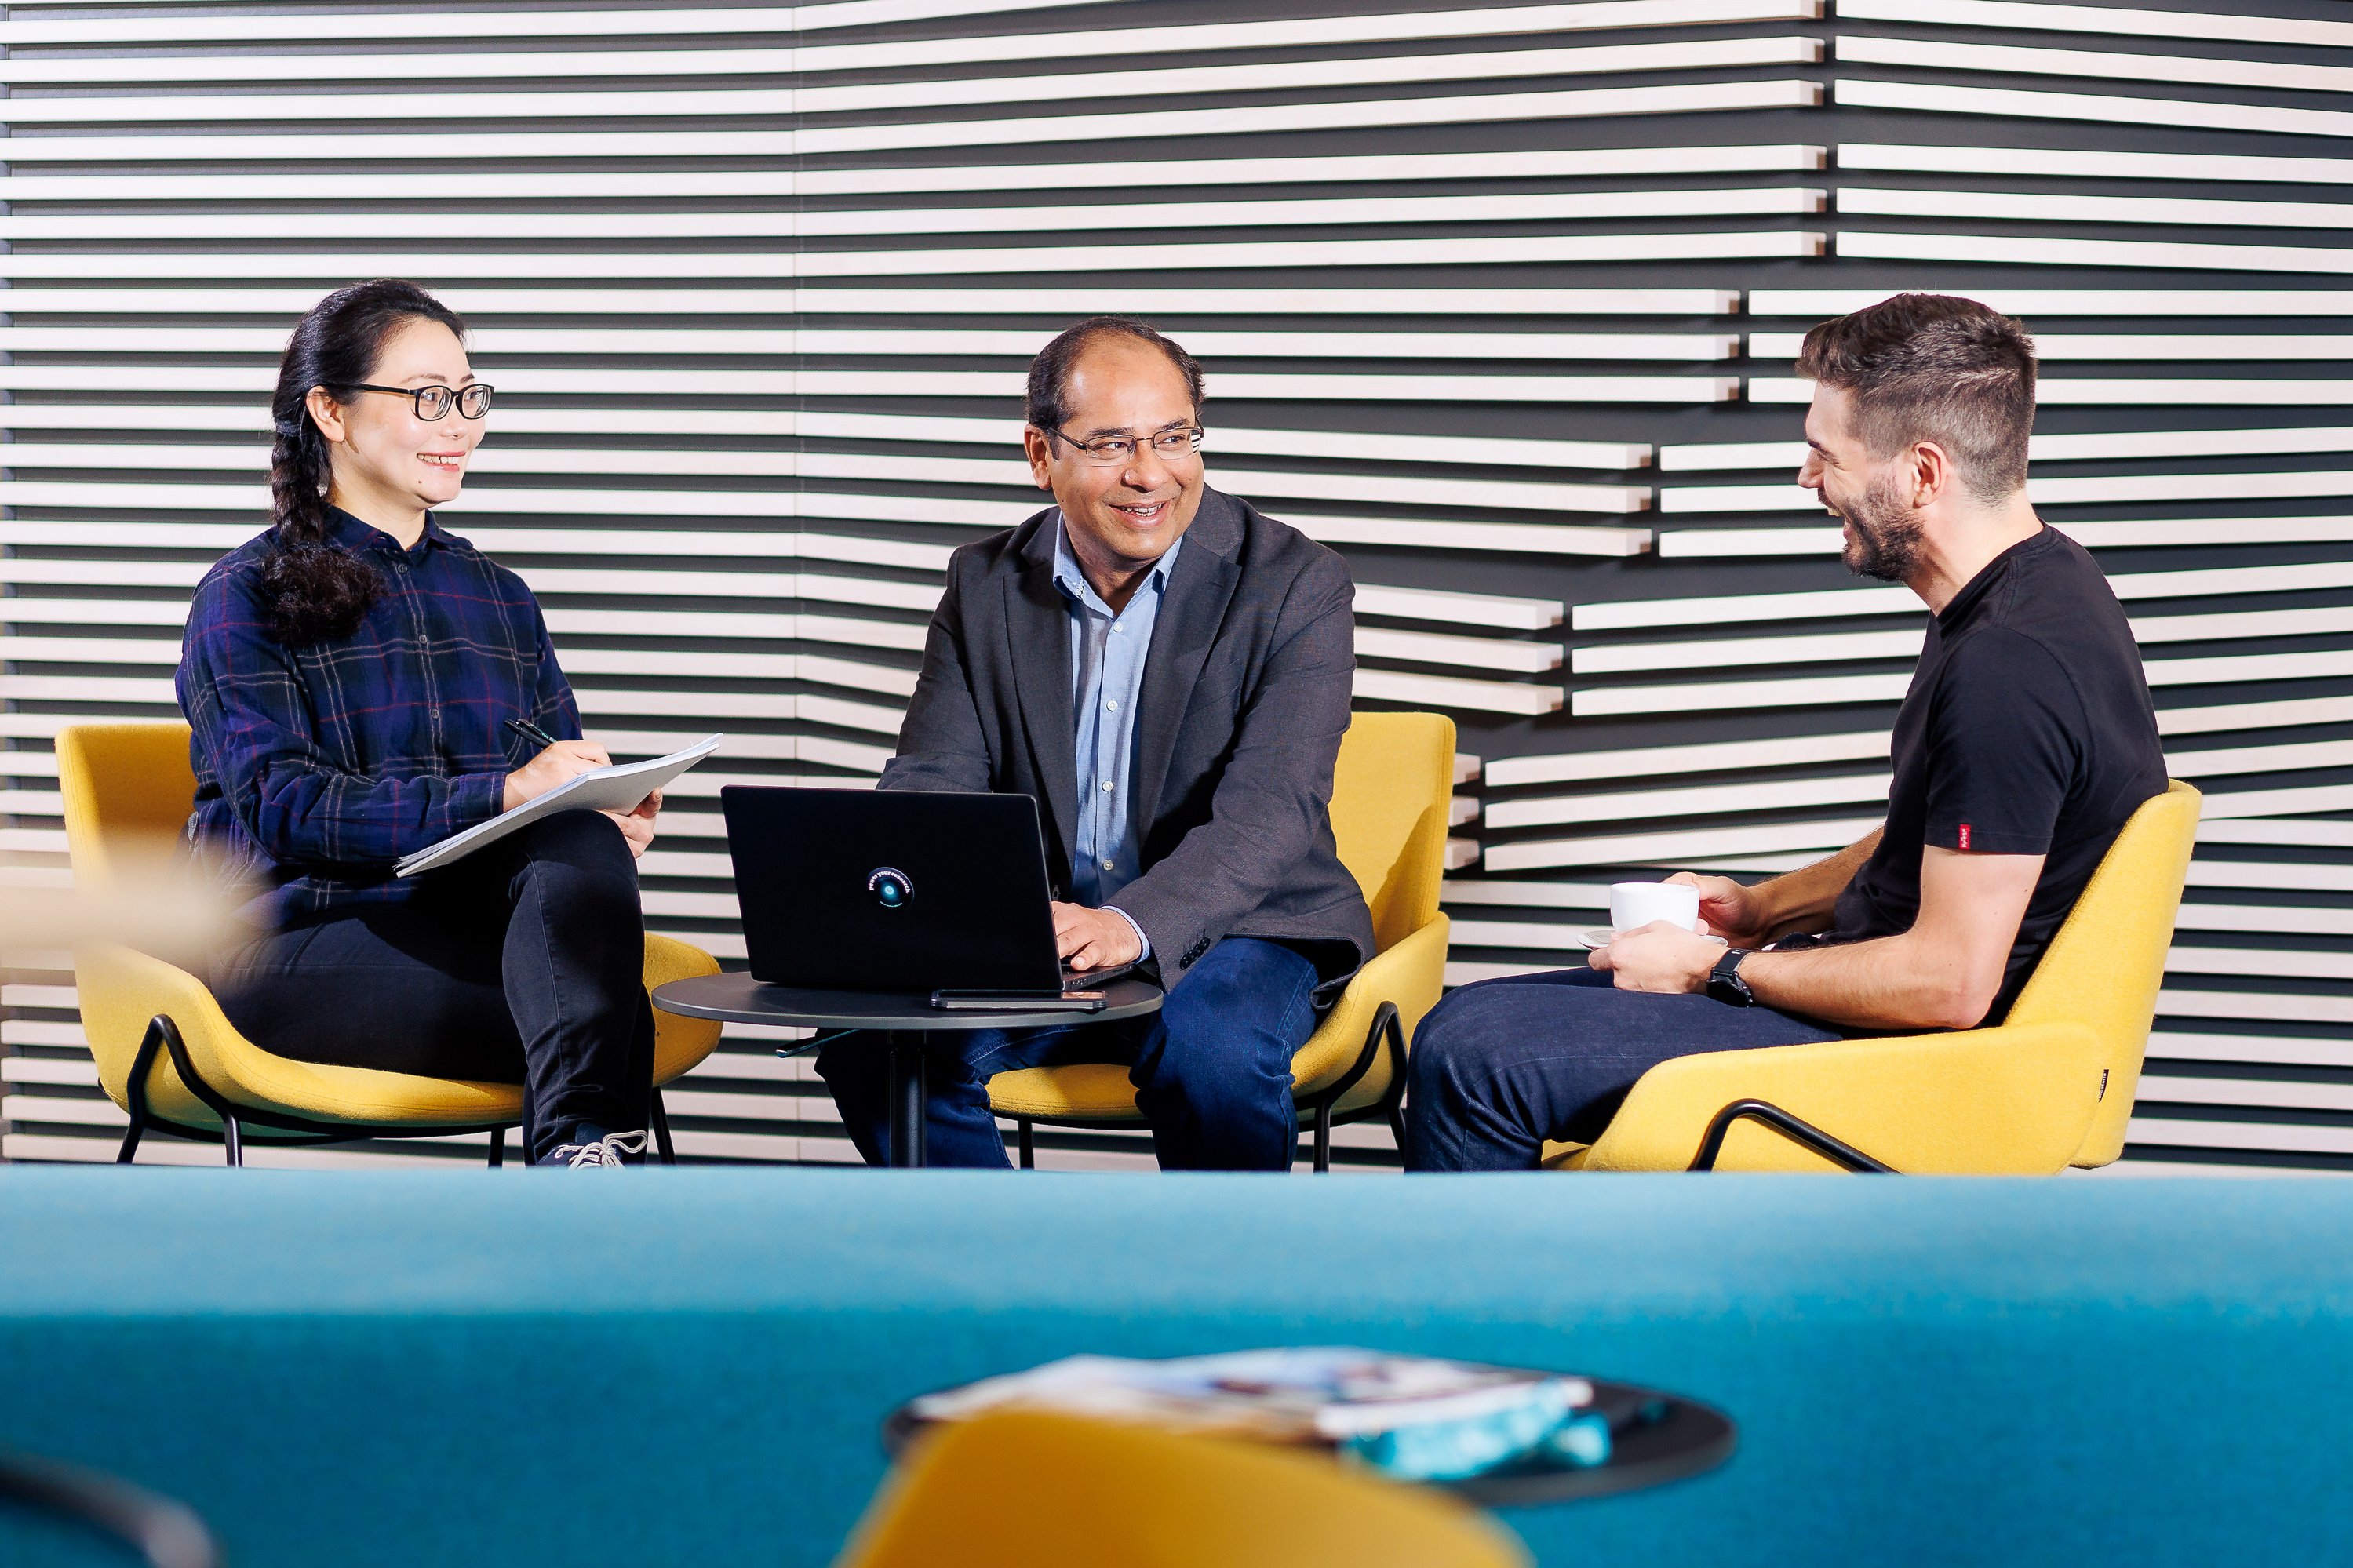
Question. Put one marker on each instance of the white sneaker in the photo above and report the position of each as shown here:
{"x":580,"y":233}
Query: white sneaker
{"x":606,"y":1150}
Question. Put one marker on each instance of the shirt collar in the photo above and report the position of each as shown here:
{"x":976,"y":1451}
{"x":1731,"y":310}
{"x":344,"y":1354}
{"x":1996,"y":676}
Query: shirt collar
{"x":352,"y":535}
{"x":1074,"y":583}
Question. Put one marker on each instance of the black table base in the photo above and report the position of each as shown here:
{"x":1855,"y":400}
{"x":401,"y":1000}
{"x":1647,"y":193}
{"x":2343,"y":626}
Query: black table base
{"x":906,"y":1023}
{"x":909,"y":1090}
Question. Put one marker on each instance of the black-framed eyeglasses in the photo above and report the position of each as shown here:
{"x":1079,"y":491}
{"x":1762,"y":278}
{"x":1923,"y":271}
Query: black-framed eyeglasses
{"x":433,"y":402}
{"x":1177,"y":441}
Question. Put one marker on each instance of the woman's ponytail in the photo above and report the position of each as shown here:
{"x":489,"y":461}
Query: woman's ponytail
{"x":313,"y":589}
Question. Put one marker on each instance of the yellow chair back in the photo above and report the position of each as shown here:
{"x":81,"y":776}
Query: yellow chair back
{"x":126,"y":787}
{"x":1390,"y":796}
{"x":2104,"y":967}
{"x":1029,"y":1490}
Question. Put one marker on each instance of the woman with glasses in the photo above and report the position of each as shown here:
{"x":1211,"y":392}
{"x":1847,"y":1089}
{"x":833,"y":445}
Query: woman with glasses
{"x":363,"y":684}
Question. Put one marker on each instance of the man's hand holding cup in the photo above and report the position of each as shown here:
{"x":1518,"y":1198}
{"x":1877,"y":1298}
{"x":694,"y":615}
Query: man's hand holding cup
{"x":1660,"y":943}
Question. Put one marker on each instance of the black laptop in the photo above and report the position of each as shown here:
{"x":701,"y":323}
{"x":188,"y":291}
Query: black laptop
{"x":902,"y":890}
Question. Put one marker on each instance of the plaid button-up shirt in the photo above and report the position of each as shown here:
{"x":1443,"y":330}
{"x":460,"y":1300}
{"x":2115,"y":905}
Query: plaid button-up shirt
{"x":318,"y":767}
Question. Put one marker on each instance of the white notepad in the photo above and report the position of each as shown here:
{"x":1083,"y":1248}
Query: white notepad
{"x":618,"y":788}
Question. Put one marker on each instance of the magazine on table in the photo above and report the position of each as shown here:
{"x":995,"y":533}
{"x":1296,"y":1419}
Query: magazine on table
{"x":1324,"y":1395}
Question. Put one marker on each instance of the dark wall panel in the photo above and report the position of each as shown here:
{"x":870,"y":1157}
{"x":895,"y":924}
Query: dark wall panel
{"x":1501,"y":302}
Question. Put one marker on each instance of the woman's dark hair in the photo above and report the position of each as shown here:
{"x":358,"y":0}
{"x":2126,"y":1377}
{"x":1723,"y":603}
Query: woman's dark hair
{"x":313,"y":588}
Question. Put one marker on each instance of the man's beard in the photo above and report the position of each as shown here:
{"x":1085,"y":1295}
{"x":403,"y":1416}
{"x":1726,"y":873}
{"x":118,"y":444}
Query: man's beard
{"x":1887,"y":534}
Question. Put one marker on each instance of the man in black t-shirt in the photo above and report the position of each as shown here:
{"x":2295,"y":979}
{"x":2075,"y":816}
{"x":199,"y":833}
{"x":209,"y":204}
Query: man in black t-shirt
{"x":2025,"y":743}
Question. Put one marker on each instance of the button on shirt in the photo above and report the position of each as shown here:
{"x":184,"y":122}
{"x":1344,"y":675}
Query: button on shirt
{"x":1107,"y":657}
{"x":319,"y":766}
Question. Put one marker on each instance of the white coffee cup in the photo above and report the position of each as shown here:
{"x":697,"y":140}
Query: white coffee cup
{"x":1634,"y":905}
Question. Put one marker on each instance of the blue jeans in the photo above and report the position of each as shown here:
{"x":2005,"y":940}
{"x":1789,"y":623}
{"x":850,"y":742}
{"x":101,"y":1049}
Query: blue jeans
{"x":1502,"y":1066}
{"x":1211,"y":1069}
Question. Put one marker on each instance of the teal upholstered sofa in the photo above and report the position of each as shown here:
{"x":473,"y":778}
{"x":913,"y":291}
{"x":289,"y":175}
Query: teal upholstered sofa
{"x":689,"y":1366}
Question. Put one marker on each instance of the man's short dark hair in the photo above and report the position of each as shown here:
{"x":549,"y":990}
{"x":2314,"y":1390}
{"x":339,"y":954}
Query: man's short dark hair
{"x":1932,"y":367}
{"x":1050,"y":373}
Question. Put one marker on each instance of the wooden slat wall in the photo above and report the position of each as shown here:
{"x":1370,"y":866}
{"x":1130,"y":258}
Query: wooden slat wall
{"x":1500,"y":301}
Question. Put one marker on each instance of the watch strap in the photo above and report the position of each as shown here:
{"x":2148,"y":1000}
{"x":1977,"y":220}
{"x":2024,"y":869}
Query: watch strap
{"x":1724,"y":982}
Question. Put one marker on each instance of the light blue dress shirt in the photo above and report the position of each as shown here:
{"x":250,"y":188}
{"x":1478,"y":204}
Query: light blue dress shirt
{"x":1107,"y":657}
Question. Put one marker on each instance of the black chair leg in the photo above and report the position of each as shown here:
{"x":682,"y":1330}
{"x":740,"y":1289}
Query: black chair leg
{"x":1803,"y":1133}
{"x":497,"y":1147}
{"x":662,"y":1131}
{"x":150,"y":1044}
{"x":1324,"y":1138}
{"x":231,"y":1143}
{"x":1028,"y":1145}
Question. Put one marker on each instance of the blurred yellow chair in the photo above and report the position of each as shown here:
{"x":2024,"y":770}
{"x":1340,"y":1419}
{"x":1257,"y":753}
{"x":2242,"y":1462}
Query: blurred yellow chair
{"x":2050,"y":1087}
{"x":168,"y":1056}
{"x":1390,"y":790}
{"x":1029,"y":1490}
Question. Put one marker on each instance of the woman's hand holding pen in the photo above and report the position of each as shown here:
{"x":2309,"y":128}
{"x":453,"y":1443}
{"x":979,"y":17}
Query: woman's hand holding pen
{"x":564,"y":761}
{"x":559,"y":764}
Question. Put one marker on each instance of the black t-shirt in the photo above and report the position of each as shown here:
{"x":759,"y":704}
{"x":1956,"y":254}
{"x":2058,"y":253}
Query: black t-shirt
{"x":2028,"y":731}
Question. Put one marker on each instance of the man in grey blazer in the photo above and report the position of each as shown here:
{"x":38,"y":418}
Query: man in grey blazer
{"x":1167,"y":671}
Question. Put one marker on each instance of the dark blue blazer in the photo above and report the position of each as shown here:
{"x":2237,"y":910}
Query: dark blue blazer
{"x":1245,"y":698}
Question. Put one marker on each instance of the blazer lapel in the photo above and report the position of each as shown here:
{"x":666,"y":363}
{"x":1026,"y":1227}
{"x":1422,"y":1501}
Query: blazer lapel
{"x":1192,"y":609}
{"x":1037,"y":630}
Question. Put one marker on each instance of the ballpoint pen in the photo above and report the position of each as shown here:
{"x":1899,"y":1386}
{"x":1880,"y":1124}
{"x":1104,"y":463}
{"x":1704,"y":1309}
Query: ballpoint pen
{"x":531,"y":732}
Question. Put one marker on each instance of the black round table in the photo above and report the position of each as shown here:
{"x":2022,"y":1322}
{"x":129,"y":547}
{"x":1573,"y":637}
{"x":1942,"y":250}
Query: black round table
{"x":906,"y":1023}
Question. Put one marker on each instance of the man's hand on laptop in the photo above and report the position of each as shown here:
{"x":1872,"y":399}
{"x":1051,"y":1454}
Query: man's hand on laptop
{"x":1094,"y":938}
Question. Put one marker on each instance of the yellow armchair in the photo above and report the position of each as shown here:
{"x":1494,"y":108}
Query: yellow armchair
{"x":2052,"y":1086}
{"x":170,"y":1057}
{"x":1094,"y":1492}
{"x":1390,"y":792}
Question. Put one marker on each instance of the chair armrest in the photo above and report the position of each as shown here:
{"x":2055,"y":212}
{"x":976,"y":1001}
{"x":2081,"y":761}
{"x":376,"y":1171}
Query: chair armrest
{"x":2014,"y":1100}
{"x":681,"y":1043}
{"x":669,"y":959}
{"x":121,"y":989}
{"x":1411,"y":976}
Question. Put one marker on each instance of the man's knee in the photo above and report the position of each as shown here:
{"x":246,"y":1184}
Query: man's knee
{"x":1245,"y":985}
{"x":1222,"y":1074}
{"x":1441,"y":1058}
{"x":1221,"y":1036}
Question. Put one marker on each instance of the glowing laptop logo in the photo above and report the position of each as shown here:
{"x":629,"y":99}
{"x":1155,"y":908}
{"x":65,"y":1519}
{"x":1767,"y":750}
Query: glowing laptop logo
{"x":891,"y":887}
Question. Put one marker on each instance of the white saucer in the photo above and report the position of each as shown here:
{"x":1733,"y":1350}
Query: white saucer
{"x":1603,"y":936}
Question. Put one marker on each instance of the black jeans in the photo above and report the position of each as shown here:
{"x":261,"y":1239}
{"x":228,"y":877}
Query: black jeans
{"x":524,"y":963}
{"x":1501,"y":1066}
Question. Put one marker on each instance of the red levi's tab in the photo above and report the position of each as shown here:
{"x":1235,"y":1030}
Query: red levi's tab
{"x":1964,"y":836}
